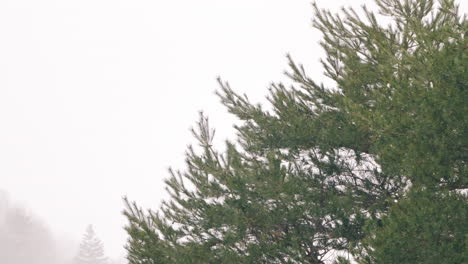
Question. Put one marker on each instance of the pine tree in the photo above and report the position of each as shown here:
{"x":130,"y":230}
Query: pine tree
{"x":349,"y":168}
{"x":426,"y":227}
{"x":91,"y":249}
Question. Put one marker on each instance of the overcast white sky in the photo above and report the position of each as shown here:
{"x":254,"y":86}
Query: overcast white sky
{"x":97,"y":96}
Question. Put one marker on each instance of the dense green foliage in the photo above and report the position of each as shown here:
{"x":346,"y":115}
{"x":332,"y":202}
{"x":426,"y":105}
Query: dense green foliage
{"x":373,"y":167}
{"x":425,"y":228}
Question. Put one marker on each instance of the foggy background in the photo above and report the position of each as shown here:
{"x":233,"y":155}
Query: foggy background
{"x":97,"y":98}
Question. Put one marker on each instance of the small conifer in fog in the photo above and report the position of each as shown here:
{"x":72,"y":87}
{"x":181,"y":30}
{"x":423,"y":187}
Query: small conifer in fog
{"x":91,"y":249}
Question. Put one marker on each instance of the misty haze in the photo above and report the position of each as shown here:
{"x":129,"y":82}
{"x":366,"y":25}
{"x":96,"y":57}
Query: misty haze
{"x":334,"y":137}
{"x":24,"y":238}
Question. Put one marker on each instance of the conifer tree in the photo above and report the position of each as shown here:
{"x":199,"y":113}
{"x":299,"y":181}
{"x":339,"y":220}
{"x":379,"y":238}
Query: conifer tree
{"x":91,"y":249}
{"x":347,"y":168}
{"x":426,"y":227}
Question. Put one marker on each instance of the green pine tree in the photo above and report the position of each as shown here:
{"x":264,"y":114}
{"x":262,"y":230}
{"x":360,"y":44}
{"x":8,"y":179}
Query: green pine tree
{"x":348,"y":168}
{"x":91,"y":249}
{"x":426,"y":228}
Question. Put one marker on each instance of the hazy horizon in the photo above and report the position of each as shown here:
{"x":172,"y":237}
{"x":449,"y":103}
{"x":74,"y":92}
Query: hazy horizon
{"x":97,"y":97}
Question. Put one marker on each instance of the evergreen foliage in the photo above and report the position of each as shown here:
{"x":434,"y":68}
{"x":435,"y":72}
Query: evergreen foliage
{"x":373,"y":167}
{"x":91,"y":249}
{"x":426,"y":227}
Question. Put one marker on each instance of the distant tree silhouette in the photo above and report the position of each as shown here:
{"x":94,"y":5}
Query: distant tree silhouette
{"x":24,"y":239}
{"x":91,"y":249}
